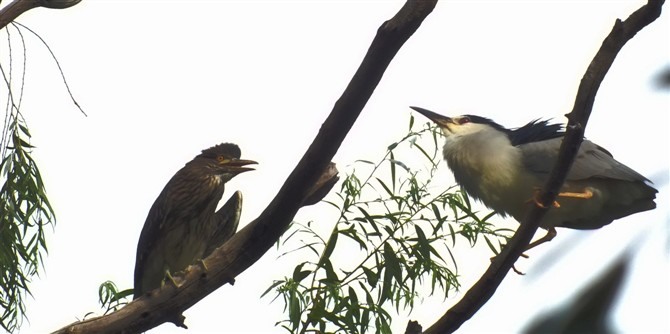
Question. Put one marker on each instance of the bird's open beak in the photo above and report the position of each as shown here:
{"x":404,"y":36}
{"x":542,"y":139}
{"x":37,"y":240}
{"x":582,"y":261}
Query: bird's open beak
{"x":238,"y":165}
{"x":442,"y":121}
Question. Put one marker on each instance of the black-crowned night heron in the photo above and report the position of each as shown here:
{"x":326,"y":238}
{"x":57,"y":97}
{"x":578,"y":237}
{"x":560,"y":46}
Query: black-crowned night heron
{"x":505,"y":168}
{"x":183,"y":225}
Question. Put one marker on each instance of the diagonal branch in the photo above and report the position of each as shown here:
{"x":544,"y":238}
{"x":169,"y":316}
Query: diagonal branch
{"x":17,"y":7}
{"x":248,"y":245}
{"x":482,"y":291}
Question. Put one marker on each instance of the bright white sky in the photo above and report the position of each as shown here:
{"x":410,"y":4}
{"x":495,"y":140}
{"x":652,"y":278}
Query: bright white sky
{"x":161,"y":80}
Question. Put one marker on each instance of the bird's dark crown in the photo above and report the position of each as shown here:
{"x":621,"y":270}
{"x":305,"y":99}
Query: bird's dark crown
{"x":228,"y":150}
{"x":535,"y":130}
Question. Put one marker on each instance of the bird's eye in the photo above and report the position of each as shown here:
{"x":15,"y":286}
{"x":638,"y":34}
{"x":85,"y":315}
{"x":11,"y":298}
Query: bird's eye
{"x":221,"y":158}
{"x":464,"y":120}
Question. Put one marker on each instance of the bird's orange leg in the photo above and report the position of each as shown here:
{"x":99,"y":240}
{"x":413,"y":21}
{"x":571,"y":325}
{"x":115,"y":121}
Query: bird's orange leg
{"x":586,"y":194}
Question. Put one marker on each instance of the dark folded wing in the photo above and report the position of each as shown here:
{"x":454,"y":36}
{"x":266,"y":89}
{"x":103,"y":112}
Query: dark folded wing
{"x":591,"y":161}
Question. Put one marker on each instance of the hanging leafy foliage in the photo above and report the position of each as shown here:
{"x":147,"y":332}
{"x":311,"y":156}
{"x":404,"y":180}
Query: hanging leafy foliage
{"x":404,"y":231}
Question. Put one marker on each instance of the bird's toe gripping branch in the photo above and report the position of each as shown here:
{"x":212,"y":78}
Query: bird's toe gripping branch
{"x":168,"y":277}
{"x":551,"y":233}
{"x":536,"y":199}
{"x":202,"y":263}
{"x":517,"y":271}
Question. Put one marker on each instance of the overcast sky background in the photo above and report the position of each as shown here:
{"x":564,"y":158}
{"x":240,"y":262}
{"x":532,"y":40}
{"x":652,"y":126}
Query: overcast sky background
{"x":161,"y":80}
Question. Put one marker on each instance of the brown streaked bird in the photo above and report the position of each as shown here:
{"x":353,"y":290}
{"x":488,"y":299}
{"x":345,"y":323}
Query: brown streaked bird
{"x":505,"y":169}
{"x":183,"y":225}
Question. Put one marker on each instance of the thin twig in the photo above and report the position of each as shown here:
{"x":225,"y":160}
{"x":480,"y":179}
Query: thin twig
{"x":60,"y":69}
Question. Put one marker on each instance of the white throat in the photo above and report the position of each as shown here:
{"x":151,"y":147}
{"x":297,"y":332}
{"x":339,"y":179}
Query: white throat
{"x":484,"y":163}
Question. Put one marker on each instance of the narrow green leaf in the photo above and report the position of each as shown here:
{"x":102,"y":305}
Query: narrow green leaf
{"x":491,"y":214}
{"x":392,"y":171}
{"x":387,"y":189}
{"x":453,"y":235}
{"x":24,"y":130}
{"x":25,"y":143}
{"x":370,"y":220}
{"x":401,"y":164}
{"x":392,"y":263}
{"x":371,"y":277}
{"x":435,"y":252}
{"x":330,"y":246}
{"x":331,"y":276}
{"x":122,"y":294}
{"x":294,"y":309}
{"x":425,"y":154}
{"x":299,"y":274}
{"x":351,"y":233}
{"x":453,"y":259}
{"x":423,"y":244}
{"x":354,"y":303}
{"x":488,"y":242}
{"x":272,"y":287}
{"x":365,"y":320}
{"x":385,"y":293}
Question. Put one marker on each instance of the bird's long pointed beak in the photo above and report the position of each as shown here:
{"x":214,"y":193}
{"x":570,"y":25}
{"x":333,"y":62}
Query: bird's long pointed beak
{"x":442,"y":121}
{"x":238,"y":165}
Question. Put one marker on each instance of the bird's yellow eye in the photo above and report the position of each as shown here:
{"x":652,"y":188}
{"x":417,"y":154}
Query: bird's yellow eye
{"x":221,"y":159}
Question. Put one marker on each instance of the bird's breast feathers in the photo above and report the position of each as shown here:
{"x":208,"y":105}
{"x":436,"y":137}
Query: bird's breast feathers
{"x":487,"y":169}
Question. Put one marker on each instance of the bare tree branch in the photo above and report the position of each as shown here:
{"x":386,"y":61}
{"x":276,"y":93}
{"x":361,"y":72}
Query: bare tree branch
{"x":18,"y":7}
{"x":248,"y":245}
{"x":482,"y":291}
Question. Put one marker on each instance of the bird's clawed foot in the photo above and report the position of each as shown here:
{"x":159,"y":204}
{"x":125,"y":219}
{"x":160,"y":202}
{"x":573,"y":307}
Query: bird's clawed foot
{"x":202,"y":264}
{"x":535,"y":199}
{"x":514,"y":266}
{"x":517,"y":271}
{"x":168,"y":277}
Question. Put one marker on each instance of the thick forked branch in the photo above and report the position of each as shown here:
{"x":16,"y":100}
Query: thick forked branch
{"x":249,"y":244}
{"x":161,"y":305}
{"x":482,"y":291}
{"x":18,"y":7}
